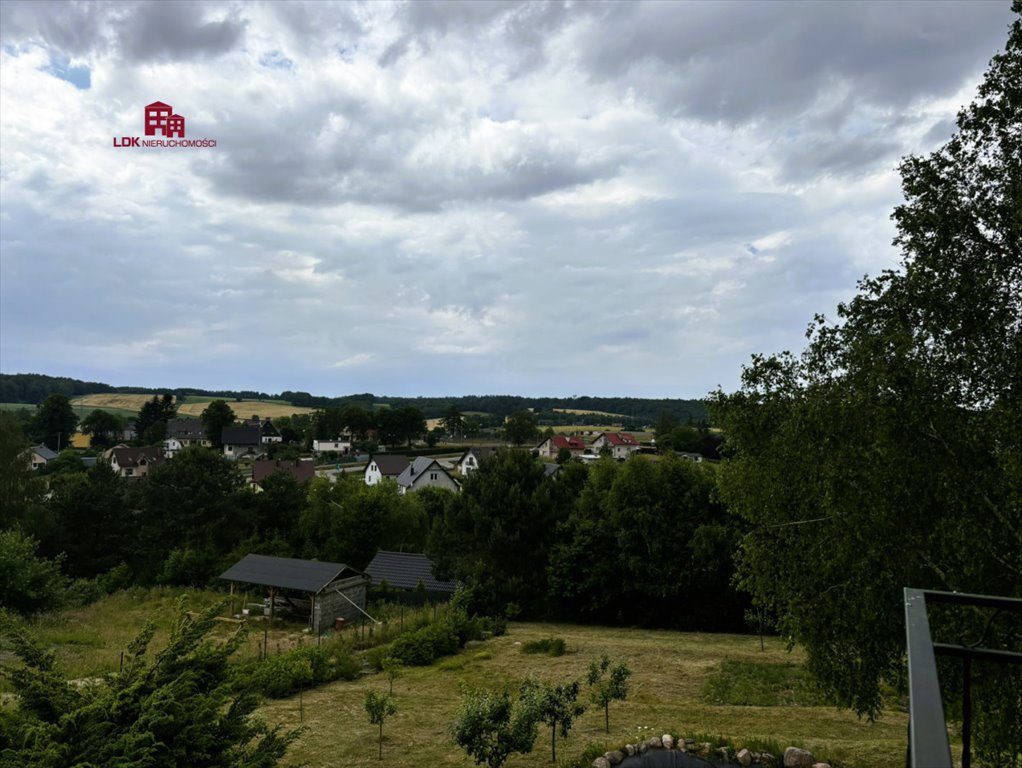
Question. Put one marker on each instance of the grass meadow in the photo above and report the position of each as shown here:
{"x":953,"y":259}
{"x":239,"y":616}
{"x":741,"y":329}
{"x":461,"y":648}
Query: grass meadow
{"x":687,"y":683}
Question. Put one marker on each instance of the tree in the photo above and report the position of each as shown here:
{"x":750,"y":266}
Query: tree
{"x":557,"y":706}
{"x":20,"y":488}
{"x":174,"y":707}
{"x":894,"y":437}
{"x":453,"y":422}
{"x":190,"y":502}
{"x":359,"y":421}
{"x":521,"y":427}
{"x":379,"y":706}
{"x":666,"y":423}
{"x":495,"y":534}
{"x":105,"y":427}
{"x":151,"y":424}
{"x":663,"y":539}
{"x":392,"y":668}
{"x":490,"y":726}
{"x":31,"y":584}
{"x":609,"y":683}
{"x":67,"y":462}
{"x":54,"y":422}
{"x":215,"y":416}
{"x":93,"y":520}
{"x":402,"y":424}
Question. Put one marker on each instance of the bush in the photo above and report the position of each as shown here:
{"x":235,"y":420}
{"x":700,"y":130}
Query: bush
{"x":306,"y":667}
{"x":30,"y":583}
{"x":551,"y":646}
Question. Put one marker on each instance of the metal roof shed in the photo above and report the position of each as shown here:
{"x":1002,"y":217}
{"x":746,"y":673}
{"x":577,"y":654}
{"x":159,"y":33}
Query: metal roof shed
{"x":335,"y":590}
{"x":404,"y":571}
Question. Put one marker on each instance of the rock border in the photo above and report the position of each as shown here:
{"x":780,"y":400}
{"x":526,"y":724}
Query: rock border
{"x":793,"y":757}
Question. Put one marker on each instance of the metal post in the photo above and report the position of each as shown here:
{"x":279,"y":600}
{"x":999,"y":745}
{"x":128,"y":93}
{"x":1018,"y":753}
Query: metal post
{"x":966,"y":712}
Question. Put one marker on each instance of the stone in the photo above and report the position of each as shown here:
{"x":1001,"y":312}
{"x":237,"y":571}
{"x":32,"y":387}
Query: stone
{"x":744,"y":757}
{"x":601,"y":762}
{"x":668,"y":741}
{"x":798,"y":758}
{"x":643,"y":747}
{"x":630,"y":750}
{"x":821,"y":765}
{"x":615,"y":757}
{"x":768,"y":760}
{"x":654,"y":742}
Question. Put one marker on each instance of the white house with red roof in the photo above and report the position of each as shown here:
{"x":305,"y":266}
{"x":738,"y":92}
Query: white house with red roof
{"x":621,"y":444}
{"x":552,"y":446}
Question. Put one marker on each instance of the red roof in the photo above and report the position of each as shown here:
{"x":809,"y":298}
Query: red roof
{"x":571,"y":443}
{"x":620,"y":438}
{"x":159,"y":105}
{"x":302,"y":470}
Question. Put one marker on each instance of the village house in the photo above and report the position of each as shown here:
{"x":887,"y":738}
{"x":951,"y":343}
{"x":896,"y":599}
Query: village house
{"x":268,"y":433}
{"x":302,"y":470}
{"x":341,"y":445}
{"x":242,"y":442}
{"x":384,"y":466}
{"x":134,"y":462}
{"x":552,"y":446}
{"x":187,"y":432}
{"x":621,"y":444}
{"x":425,"y":472}
{"x":473,"y":458}
{"x":40,"y":456}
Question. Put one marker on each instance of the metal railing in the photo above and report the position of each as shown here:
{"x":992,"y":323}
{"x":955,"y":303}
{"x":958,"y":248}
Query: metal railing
{"x":928,"y":745}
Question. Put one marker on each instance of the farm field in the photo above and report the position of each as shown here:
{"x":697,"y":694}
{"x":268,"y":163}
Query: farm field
{"x":246,"y":409}
{"x":670,"y":671}
{"x":582,"y":412}
{"x":128,"y":404}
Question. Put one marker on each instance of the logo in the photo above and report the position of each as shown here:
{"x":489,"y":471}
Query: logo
{"x":160,"y":120}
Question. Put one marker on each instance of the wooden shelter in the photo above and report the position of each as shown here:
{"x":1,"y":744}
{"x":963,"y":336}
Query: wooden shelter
{"x":324,"y":592}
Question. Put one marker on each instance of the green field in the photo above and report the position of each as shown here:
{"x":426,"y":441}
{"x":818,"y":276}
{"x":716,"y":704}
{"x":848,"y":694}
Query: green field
{"x":17,"y":406}
{"x":668,"y":690}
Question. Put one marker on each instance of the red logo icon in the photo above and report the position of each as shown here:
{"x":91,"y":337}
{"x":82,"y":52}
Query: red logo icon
{"x":160,"y":119}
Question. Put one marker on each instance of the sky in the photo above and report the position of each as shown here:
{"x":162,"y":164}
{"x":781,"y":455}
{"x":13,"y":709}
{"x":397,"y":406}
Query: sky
{"x":448,"y":198}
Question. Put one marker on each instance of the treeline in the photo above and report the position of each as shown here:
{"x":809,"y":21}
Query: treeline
{"x":638,"y":542}
{"x":634,"y":412}
{"x":36,"y":387}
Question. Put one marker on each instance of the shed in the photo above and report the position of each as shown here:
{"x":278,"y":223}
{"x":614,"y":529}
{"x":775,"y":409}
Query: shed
{"x":404,"y":570}
{"x":324,"y":591}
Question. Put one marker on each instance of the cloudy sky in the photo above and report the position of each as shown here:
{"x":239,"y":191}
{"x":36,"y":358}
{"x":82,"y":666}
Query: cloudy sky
{"x":457,"y":198}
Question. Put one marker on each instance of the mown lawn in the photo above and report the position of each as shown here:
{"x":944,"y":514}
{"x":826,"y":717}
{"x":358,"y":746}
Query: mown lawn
{"x":670,"y":671}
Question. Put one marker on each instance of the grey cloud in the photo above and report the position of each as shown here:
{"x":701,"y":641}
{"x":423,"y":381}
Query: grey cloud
{"x":165,"y":31}
{"x":72,"y":28}
{"x":807,"y":159}
{"x":369,"y":162}
{"x":143,"y":31}
{"x":739,"y":62}
{"x":522,"y":27}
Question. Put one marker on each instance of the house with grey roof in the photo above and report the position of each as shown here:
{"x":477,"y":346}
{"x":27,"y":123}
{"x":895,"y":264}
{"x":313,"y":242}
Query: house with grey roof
{"x":40,"y":456}
{"x":135,"y":463}
{"x":187,"y":432}
{"x":242,"y":442}
{"x":383,"y":466}
{"x":425,"y":472}
{"x":472,"y":458}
